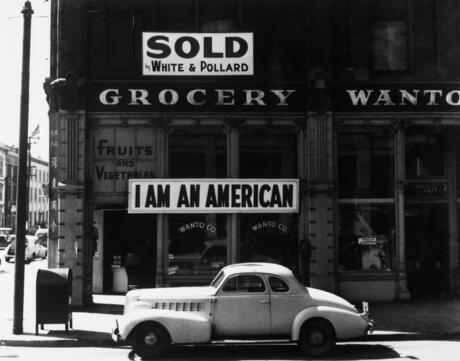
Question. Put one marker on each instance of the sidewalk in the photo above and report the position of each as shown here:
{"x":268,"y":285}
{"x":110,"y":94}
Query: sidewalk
{"x":408,"y":320}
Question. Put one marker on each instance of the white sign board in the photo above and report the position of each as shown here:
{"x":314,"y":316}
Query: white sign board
{"x":213,"y":196}
{"x":190,"y":54}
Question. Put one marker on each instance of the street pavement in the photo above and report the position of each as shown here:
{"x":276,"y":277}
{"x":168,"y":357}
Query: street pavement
{"x":427,"y":329}
{"x":388,"y":350}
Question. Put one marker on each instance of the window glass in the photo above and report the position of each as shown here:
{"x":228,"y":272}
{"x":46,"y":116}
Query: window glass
{"x":425,"y":155}
{"x":244,"y":283}
{"x":268,"y":237}
{"x":268,"y":154}
{"x":278,"y":285}
{"x":197,"y":154}
{"x":365,"y":164}
{"x":366,"y":237}
{"x":197,"y":246}
{"x":389,"y":45}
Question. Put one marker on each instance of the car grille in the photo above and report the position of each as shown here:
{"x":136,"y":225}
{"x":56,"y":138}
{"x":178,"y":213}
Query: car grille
{"x":179,"y":306}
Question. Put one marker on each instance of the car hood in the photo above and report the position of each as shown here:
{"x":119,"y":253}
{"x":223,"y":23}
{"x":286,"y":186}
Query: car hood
{"x":172,"y":293}
{"x":187,"y":257}
{"x":323,"y":298}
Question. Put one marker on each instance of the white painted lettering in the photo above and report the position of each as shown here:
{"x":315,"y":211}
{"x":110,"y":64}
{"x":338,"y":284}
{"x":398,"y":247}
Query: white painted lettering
{"x":110,"y":97}
{"x":139,"y":97}
{"x":282,"y":95}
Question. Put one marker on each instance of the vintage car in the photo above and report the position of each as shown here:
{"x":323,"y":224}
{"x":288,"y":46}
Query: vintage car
{"x":33,"y":249}
{"x":245,"y":300}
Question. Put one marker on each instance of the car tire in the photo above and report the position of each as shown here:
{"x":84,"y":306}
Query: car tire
{"x":317,"y":337}
{"x":150,"y":339}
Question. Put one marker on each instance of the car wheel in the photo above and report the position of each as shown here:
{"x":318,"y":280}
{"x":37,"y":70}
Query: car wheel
{"x":150,"y":339}
{"x":317,"y":337}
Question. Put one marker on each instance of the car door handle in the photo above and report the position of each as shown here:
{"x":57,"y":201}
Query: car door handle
{"x":265,"y":301}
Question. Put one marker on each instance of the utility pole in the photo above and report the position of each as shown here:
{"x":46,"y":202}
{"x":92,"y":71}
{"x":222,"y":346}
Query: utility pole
{"x":23,"y":192}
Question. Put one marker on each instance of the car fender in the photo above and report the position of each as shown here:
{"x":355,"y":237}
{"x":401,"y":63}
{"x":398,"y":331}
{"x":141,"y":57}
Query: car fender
{"x":346,"y":324}
{"x":183,"y":327}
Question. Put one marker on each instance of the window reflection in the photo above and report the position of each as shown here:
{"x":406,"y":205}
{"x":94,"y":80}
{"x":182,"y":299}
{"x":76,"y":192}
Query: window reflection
{"x":198,"y":245}
{"x":366,"y":237}
{"x":269,"y":237}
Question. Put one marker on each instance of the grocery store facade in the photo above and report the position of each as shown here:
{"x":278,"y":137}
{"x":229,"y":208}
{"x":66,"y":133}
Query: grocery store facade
{"x":185,"y":136}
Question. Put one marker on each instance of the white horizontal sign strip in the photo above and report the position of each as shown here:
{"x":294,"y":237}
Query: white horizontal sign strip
{"x":213,"y":196}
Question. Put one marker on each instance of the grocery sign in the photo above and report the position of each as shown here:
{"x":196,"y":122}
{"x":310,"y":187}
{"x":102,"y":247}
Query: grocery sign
{"x":191,"y":54}
{"x":213,"y":196}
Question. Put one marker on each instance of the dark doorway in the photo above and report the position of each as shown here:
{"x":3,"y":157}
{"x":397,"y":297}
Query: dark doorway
{"x":130,"y":242}
{"x":427,"y":234}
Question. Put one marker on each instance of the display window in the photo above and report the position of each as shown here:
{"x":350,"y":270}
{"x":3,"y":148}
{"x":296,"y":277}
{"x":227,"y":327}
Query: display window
{"x":366,"y":237}
{"x":269,"y":153}
{"x":197,"y":153}
{"x":425,"y":153}
{"x":198,"y":245}
{"x":365,"y":164}
{"x":269,"y":238}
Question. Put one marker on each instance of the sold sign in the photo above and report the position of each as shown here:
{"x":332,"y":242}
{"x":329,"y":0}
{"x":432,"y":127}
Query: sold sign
{"x":197,"y":54}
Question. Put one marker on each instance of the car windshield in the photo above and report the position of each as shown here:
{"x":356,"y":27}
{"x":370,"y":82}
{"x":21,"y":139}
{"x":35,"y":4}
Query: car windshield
{"x":216,"y":281}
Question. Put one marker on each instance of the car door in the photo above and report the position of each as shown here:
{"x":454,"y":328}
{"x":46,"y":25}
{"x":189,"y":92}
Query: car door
{"x":285,"y":302}
{"x":242,"y":307}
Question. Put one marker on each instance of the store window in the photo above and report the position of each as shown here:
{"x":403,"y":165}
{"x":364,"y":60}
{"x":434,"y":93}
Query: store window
{"x":269,"y":237}
{"x":197,"y":242}
{"x":198,"y":245}
{"x":197,"y":154}
{"x":365,"y":164}
{"x":425,"y":153}
{"x":366,"y":237}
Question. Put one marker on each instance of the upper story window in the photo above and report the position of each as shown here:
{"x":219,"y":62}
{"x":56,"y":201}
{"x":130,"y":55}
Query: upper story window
{"x":389,"y":46}
{"x":389,"y":35}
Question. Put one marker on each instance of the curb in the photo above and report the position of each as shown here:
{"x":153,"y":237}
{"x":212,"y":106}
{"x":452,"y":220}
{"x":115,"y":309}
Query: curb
{"x":60,"y":343}
{"x":110,"y":343}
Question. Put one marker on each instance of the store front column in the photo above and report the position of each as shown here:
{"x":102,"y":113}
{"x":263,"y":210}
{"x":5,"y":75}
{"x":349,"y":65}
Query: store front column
{"x":321,"y":200}
{"x":161,"y":137}
{"x":233,"y":160}
{"x":71,"y":241}
{"x":402,"y":292}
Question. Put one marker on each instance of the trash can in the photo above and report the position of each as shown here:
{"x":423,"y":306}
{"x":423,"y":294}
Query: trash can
{"x":120,"y":279}
{"x":53,"y":297}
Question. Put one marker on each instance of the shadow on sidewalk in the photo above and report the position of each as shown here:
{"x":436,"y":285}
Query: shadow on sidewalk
{"x":274,"y":352}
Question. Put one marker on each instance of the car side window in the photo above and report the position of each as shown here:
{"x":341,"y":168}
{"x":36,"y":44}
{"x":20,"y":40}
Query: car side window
{"x":277,"y":284}
{"x":244,"y":283}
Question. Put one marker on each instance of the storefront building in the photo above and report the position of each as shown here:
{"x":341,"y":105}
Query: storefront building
{"x":191,"y":134}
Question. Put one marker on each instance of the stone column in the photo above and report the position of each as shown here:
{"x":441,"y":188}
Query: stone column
{"x":400,"y":177}
{"x":321,"y":193}
{"x":233,"y":171}
{"x":161,"y":136}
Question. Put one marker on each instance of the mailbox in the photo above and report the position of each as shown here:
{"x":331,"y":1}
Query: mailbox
{"x":53,"y":297}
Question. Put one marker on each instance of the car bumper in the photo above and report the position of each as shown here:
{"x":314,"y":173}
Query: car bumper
{"x":116,"y":336}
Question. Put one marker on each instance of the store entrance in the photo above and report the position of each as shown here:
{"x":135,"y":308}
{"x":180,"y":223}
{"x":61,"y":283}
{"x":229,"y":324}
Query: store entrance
{"x":129,"y":243}
{"x":427,"y":233}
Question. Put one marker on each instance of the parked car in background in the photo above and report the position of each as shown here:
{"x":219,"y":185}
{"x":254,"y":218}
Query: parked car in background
{"x":208,"y":259}
{"x":33,"y":249}
{"x":244,"y":301}
{"x":5,"y":237}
